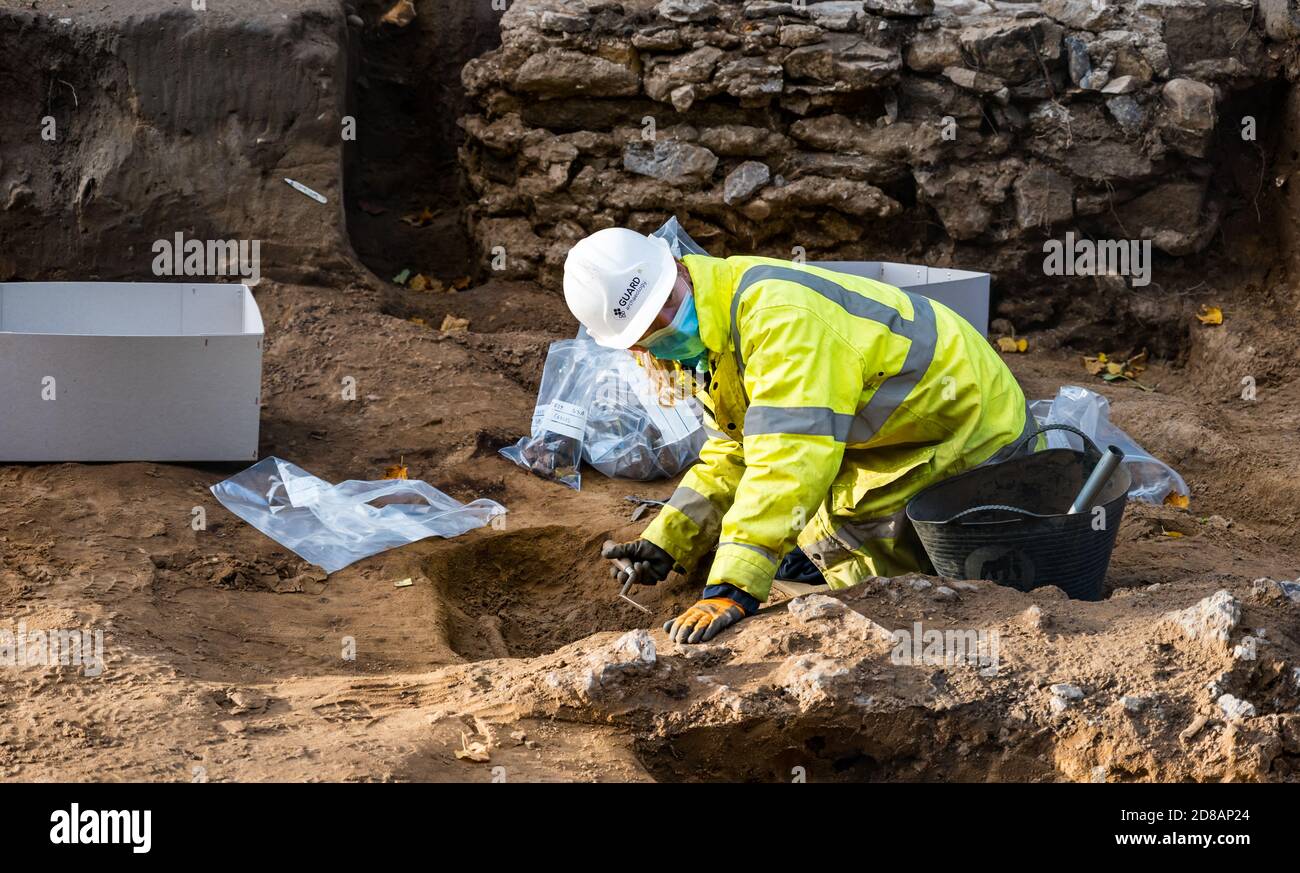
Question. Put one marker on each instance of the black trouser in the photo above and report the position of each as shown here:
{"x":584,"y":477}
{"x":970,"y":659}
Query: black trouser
{"x":796,"y":567}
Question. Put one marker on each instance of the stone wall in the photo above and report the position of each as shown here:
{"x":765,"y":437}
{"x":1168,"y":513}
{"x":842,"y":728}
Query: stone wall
{"x":945,"y":132}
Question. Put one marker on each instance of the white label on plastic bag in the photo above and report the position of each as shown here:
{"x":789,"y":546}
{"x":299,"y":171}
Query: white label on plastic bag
{"x":567,"y":419}
{"x":675,"y":422}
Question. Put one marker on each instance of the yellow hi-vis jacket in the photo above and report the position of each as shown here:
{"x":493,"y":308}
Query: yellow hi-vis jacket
{"x":834,"y":399}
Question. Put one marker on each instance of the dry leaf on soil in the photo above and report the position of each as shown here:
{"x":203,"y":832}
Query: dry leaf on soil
{"x":475,"y":751}
{"x":402,"y":14}
{"x":452,"y":324}
{"x":423,"y":218}
{"x":1210,"y":315}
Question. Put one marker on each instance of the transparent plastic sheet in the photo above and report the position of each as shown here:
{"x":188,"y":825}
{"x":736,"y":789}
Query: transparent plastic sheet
{"x":334,"y":525}
{"x":632,"y":431}
{"x":1153,"y":479}
{"x":553,"y":449}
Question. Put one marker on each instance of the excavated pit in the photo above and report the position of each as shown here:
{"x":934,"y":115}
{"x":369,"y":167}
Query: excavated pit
{"x":528,"y":593}
{"x":909,"y":744}
{"x":405,"y":94}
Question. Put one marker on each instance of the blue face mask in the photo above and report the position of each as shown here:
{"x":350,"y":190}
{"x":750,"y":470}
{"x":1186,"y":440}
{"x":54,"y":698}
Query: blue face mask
{"x":679,"y":341}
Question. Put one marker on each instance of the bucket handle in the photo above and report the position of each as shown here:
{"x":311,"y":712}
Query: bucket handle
{"x":1087,"y":440}
{"x":988,"y":506}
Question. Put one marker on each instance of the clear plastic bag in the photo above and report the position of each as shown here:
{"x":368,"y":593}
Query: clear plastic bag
{"x":1153,"y":479}
{"x":334,"y":525}
{"x":553,"y":449}
{"x":679,"y":241}
{"x":634,"y":431}
{"x":599,"y":405}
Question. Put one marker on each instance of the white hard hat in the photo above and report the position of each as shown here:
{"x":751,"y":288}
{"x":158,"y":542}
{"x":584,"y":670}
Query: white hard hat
{"x":616,"y":281}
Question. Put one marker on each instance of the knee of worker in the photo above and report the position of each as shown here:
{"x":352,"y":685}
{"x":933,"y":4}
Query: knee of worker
{"x":844,"y":566}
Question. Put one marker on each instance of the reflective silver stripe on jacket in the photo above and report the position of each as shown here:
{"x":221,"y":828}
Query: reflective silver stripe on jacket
{"x":807,"y":420}
{"x":920,"y":331}
{"x":753,"y":548}
{"x":696,"y":507}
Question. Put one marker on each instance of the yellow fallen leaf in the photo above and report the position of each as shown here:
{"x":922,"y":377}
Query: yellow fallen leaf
{"x":1094,"y":366}
{"x":1176,"y":500}
{"x":1114,"y":369}
{"x":460,"y":283}
{"x":402,"y":14}
{"x":1101,"y":356}
{"x":395,"y":471}
{"x":419,"y":220}
{"x":1210,"y":315}
{"x":415,"y":319}
{"x":1022,"y":345}
{"x":1172,"y":534}
{"x":1006,"y":344}
{"x":419,"y":283}
{"x":452,"y":324}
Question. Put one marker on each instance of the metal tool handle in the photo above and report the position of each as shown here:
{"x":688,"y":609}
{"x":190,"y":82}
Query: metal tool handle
{"x":1097,"y":480}
{"x":621,"y":563}
{"x":625,"y":564}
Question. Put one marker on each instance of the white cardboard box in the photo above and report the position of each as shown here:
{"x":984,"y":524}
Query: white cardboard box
{"x":129,"y":371}
{"x":963,"y":291}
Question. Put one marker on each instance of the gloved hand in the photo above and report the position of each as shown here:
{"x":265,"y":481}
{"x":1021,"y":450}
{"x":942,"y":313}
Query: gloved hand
{"x":719,"y":608}
{"x":650,"y":564}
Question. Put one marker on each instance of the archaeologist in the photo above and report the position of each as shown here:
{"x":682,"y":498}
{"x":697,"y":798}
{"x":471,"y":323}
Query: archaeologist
{"x":833,"y":399}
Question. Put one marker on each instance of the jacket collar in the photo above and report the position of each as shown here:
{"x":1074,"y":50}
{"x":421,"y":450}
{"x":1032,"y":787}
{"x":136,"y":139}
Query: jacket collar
{"x":712,"y":283}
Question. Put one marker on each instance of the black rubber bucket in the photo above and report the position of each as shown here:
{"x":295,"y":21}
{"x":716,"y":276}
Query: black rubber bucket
{"x":1023,"y":535}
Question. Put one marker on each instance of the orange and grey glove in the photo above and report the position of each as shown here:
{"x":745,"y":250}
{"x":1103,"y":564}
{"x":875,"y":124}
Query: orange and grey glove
{"x":718,"y":608}
{"x":647,"y":563}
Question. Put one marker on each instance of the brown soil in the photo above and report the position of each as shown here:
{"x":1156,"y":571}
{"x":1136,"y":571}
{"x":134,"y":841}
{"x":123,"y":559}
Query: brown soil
{"x":498,"y":632}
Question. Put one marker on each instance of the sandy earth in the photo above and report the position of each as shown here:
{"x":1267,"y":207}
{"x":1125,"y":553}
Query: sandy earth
{"x":225,"y":653}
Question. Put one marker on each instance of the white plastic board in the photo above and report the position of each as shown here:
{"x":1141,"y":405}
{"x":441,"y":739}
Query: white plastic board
{"x":129,"y":371}
{"x":963,"y":291}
